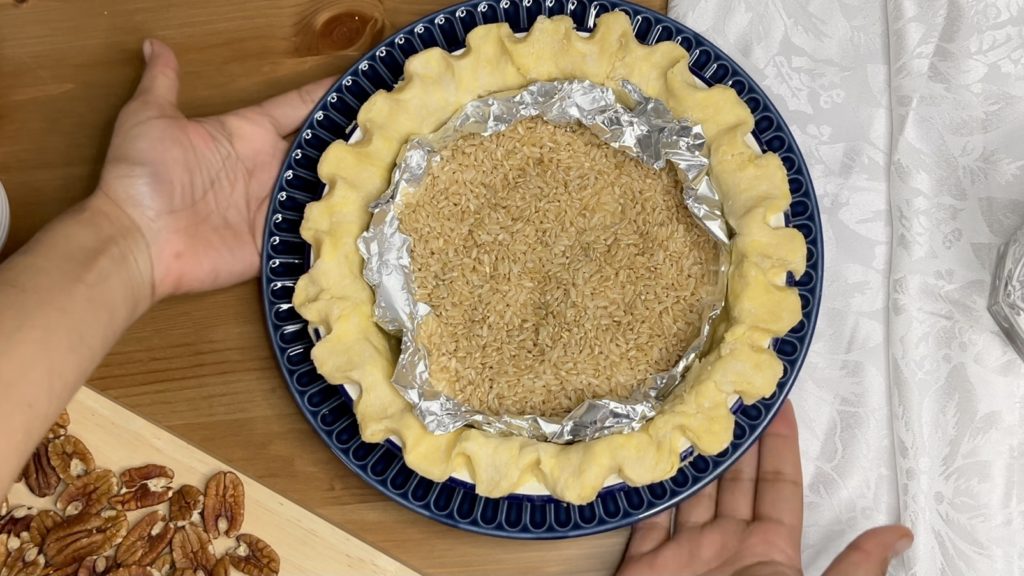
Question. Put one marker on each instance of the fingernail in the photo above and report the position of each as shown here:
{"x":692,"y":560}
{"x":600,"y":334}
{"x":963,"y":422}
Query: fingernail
{"x":147,"y":49}
{"x":902,"y":546}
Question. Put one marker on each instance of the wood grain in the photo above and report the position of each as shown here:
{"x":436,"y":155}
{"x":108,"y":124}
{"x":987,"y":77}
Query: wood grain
{"x":307,"y":544}
{"x":202,"y":366}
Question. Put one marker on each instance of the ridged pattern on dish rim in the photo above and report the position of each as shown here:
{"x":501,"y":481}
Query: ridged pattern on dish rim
{"x":328,"y":408}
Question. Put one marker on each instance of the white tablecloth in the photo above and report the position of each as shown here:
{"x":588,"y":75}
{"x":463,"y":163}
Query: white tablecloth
{"x":910,"y":115}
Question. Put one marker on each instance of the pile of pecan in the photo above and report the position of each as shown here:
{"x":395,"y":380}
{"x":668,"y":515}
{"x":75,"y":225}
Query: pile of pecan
{"x":87,"y":533}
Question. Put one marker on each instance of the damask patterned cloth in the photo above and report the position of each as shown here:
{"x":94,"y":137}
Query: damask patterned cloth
{"x":910,"y":114}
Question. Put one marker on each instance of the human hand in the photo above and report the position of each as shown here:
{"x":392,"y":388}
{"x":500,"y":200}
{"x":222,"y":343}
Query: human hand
{"x":748,"y":523}
{"x":196,"y":190}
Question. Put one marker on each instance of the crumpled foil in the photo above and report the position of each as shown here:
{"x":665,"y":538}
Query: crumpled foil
{"x":647,"y":131}
{"x":1006,"y":299}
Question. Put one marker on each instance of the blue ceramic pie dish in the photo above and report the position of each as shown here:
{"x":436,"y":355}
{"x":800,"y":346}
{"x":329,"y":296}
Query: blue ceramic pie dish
{"x":329,"y":408}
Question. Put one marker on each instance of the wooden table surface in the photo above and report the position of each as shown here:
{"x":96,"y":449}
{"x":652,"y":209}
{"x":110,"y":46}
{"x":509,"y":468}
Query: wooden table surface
{"x":202,"y":366}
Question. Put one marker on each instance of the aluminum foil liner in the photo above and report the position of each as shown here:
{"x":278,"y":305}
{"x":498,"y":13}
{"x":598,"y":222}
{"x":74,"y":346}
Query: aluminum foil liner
{"x":647,"y":131}
{"x":1006,"y":299}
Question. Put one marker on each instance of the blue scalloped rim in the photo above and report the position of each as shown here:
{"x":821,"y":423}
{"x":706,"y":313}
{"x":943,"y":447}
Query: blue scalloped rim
{"x":329,"y":410}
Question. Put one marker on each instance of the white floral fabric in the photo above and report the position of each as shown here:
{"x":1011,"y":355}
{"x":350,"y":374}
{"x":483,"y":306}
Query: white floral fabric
{"x":910,"y":114}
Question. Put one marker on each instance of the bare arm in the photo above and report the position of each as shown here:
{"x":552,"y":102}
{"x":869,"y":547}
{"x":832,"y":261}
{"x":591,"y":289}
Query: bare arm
{"x":179,"y":208}
{"x":65,"y":298}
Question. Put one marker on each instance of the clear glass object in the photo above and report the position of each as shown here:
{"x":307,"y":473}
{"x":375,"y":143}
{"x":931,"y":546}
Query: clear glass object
{"x":1006,"y":299}
{"x":5,"y":216}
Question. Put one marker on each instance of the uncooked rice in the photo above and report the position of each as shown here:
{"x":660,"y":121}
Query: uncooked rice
{"x":558,"y":269}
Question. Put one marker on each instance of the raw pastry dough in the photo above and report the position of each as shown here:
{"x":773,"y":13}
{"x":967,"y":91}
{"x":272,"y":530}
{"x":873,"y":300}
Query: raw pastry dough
{"x":753,"y":187}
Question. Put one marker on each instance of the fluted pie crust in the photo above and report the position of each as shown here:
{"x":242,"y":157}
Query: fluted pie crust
{"x":754,"y":190}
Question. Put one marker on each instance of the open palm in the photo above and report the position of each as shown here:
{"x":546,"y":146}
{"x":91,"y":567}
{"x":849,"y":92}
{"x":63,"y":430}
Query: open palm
{"x":197,"y":189}
{"x":749,"y":522}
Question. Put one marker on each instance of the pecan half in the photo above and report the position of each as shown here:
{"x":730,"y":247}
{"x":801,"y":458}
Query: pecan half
{"x":5,"y":552}
{"x":94,"y":566}
{"x":186,"y":505}
{"x":145,"y":486}
{"x":254,"y":557}
{"x":41,"y":525}
{"x":59,"y":428}
{"x":85,"y":535}
{"x":18,"y":521}
{"x":140,"y":498}
{"x":164,"y":565}
{"x":71,"y":458}
{"x":193,"y":549}
{"x":40,"y":476}
{"x":25,"y":560}
{"x":145,"y":541}
{"x":222,"y":567}
{"x":155,"y":475}
{"x":134,"y":571}
{"x":224,"y":509}
{"x":90,"y":493}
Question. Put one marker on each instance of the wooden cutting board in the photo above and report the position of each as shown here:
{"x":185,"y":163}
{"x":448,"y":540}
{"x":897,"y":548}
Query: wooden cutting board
{"x":308,"y":545}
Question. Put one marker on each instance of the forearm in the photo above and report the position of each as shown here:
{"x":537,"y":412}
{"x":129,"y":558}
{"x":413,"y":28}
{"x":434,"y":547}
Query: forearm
{"x":65,"y":298}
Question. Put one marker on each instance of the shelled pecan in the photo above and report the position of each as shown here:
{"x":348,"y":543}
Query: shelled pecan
{"x":59,"y":428}
{"x":222,"y":567}
{"x":141,"y":498}
{"x":71,"y":458}
{"x":254,"y":557}
{"x":144,"y":487}
{"x":145,"y":541}
{"x":224,"y":508}
{"x":17,"y":521}
{"x":5,"y":552}
{"x":192,"y":548}
{"x":186,"y":505}
{"x":24,"y":560}
{"x":39,"y":474}
{"x":156,"y":475}
{"x":84,"y":535}
{"x":90,"y":493}
{"x":164,"y":565}
{"x":44,"y":522}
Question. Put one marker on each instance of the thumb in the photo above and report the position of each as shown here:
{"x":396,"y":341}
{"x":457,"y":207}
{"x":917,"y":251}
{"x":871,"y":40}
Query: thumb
{"x":159,"y":84}
{"x":869,"y":554}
